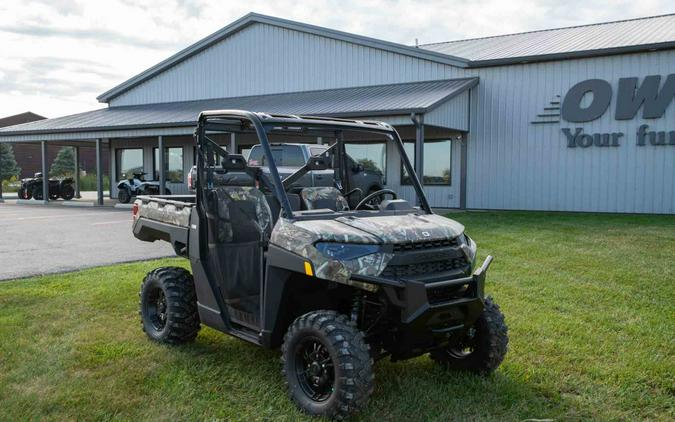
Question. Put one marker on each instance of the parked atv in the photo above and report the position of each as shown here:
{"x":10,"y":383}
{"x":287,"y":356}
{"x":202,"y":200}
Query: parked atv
{"x":58,"y":188}
{"x":335,"y":287}
{"x":137,"y":185}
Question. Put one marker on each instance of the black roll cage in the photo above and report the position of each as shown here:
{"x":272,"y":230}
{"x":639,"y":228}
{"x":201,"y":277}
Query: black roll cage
{"x":307,"y":125}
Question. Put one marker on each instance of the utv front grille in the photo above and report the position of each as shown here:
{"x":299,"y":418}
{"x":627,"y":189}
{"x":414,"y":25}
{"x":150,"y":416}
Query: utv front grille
{"x":424,"y":268}
{"x":430,"y":244}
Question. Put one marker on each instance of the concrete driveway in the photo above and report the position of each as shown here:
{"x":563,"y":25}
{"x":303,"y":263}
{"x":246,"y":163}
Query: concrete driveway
{"x":38,"y":239}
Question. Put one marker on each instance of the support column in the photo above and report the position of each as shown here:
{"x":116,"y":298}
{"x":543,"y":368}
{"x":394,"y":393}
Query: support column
{"x":161,"y":165}
{"x":99,"y":172}
{"x":77,"y":172}
{"x":1,"y":200}
{"x":419,"y":146}
{"x":462,"y":171}
{"x":45,"y":173}
{"x":233,"y":144}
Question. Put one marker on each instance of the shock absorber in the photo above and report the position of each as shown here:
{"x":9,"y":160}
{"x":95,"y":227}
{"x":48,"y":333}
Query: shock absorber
{"x":357,"y":307}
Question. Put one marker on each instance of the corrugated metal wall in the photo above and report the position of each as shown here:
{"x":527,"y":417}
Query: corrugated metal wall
{"x":265,"y":59}
{"x":512,"y":164}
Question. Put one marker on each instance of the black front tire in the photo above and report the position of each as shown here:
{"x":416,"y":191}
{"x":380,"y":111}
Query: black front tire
{"x":67,"y":192}
{"x":37,"y":192}
{"x":168,"y":306}
{"x":327,"y":365}
{"x":483,"y":348}
{"x":124,"y":196}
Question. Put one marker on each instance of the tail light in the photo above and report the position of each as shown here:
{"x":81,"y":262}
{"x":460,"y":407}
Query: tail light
{"x":190,"y":180}
{"x":134,"y":211}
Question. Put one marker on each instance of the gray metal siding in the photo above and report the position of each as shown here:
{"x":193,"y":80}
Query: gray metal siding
{"x":513,"y":164}
{"x":265,"y":59}
{"x":452,"y":114}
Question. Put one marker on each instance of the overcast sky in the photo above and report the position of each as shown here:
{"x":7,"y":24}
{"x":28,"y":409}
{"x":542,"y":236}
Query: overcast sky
{"x":56,"y":56}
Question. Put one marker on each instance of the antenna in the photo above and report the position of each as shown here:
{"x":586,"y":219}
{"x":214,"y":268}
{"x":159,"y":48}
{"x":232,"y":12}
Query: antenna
{"x":417,"y":43}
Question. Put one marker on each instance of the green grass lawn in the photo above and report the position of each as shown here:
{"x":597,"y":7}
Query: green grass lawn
{"x":589,"y":300}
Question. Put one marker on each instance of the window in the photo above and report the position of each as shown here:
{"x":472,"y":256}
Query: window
{"x":284,"y":156}
{"x":173,"y":164}
{"x":372,"y":156}
{"x":437,"y":162}
{"x":245,"y":151}
{"x":318,"y":150}
{"x":129,"y":161}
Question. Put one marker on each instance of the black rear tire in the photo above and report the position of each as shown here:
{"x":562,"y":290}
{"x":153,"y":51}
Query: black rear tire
{"x":483,"y":348}
{"x":67,"y":192}
{"x":124,"y":196}
{"x":327,"y":365}
{"x":168,"y":306}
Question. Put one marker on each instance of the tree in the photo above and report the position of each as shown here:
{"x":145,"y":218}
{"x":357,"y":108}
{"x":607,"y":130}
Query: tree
{"x":8,"y":166}
{"x":368,"y":165}
{"x":64,"y":163}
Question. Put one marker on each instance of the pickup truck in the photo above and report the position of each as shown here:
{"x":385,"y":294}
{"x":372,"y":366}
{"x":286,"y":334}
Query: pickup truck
{"x":289,"y":157}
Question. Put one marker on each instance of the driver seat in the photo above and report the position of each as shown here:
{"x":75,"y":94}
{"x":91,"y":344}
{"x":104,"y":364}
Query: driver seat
{"x":323,"y":197}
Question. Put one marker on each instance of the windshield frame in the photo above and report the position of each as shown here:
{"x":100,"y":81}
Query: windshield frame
{"x":262,"y":124}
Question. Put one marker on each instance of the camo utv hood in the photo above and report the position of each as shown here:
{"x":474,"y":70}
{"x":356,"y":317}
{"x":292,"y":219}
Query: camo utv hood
{"x":406,"y":228}
{"x":300,"y":236}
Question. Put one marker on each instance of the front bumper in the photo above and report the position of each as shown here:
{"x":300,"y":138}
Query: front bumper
{"x":447,"y":305}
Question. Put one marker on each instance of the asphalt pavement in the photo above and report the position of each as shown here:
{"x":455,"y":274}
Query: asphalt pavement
{"x":37,"y":239}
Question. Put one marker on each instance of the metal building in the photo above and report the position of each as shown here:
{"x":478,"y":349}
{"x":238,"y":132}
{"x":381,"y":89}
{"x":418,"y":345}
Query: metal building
{"x":570,"y":119}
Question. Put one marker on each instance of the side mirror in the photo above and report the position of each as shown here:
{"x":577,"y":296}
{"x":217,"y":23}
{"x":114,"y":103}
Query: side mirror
{"x":358,"y":168}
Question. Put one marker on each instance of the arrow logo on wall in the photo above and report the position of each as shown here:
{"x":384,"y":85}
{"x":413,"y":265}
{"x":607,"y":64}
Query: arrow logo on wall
{"x":551,"y":113}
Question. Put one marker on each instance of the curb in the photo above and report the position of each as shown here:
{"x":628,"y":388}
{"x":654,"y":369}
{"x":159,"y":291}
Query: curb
{"x":77,"y":204}
{"x":124,"y":206}
{"x":30,"y":202}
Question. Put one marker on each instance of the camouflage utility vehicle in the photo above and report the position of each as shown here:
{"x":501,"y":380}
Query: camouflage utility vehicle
{"x":294,"y":267}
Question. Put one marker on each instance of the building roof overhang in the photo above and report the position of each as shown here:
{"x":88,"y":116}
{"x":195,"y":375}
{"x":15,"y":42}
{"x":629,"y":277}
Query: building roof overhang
{"x":180,"y":117}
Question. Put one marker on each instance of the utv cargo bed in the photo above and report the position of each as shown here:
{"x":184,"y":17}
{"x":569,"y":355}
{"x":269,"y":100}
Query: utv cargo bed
{"x":164,"y":217}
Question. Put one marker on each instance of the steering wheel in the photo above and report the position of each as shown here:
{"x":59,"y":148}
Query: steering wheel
{"x":364,"y":201}
{"x":352,"y":192}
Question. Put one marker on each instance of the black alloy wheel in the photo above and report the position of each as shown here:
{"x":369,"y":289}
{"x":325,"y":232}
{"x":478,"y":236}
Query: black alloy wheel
{"x":156,"y":308}
{"x":315,"y":369}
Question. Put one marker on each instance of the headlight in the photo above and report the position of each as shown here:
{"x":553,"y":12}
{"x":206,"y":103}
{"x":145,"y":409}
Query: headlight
{"x":468,"y":246}
{"x":345,"y":251}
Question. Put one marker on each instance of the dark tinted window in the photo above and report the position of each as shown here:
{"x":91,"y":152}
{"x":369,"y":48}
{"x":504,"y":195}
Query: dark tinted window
{"x":437,"y":162}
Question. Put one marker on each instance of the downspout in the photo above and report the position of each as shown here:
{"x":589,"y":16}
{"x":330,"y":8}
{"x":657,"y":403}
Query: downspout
{"x":418,"y":121}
